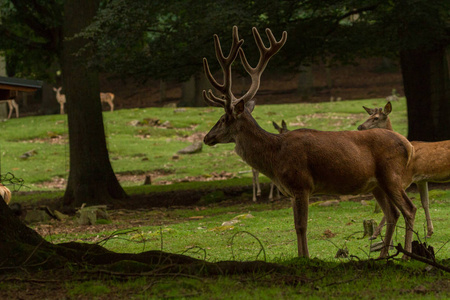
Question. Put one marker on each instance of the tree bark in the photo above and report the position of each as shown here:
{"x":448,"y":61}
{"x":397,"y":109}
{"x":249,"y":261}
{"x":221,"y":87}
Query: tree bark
{"x":192,"y":90}
{"x":91,"y":178}
{"x":427,"y":90}
{"x":305,"y":82}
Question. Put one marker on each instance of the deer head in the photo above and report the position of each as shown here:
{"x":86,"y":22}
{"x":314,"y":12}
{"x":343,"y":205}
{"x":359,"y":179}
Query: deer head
{"x":379,"y":118}
{"x":236,"y":109}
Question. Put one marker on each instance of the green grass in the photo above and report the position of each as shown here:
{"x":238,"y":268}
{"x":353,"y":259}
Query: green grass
{"x":271,"y":228}
{"x":265,"y":231}
{"x":201,"y":233}
{"x":141,"y":149}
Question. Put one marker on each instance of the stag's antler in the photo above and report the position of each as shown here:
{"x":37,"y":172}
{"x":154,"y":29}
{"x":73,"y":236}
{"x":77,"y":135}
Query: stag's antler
{"x":228,"y":99}
{"x":265,"y":55}
{"x":225,"y":63}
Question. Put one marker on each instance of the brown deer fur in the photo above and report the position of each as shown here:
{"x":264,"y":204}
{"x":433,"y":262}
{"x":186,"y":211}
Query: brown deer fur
{"x":430,"y":163}
{"x":255,"y":173}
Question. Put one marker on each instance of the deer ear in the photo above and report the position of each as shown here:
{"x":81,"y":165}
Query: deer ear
{"x":275,"y":125}
{"x":388,"y":108}
{"x":283,"y":124}
{"x":250,"y":105}
{"x":369,"y":110}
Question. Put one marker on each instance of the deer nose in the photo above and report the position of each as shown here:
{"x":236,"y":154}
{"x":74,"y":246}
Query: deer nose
{"x":208,"y":140}
{"x":360,"y":127}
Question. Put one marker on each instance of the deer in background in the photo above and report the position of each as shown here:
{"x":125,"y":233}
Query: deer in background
{"x":104,"y":98}
{"x":61,"y":98}
{"x":108,"y":98}
{"x":12,"y":104}
{"x":256,"y":186}
{"x":430,"y":163}
{"x":304,"y":162}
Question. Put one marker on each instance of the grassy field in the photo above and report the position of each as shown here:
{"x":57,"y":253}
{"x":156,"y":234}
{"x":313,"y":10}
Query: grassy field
{"x":218,"y":228}
{"x":150,"y":149}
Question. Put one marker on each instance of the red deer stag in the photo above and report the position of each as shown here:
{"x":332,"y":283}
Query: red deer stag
{"x":430,"y":163}
{"x":303,"y":162}
{"x":256,"y":186}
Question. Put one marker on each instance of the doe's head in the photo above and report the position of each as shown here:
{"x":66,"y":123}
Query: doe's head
{"x":379,"y":118}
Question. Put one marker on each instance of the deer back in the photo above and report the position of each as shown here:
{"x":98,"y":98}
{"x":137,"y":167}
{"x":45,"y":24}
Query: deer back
{"x":346,"y":162}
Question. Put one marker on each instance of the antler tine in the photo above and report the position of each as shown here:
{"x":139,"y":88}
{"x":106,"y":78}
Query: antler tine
{"x":265,"y":55}
{"x":212,"y":100}
{"x":225,"y":63}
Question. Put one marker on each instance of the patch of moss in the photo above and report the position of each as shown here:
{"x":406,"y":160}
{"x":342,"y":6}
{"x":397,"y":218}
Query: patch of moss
{"x":214,"y":197}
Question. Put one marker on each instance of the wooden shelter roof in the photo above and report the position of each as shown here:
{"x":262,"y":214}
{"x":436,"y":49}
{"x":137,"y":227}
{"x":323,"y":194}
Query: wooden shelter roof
{"x":10,"y":85}
{"x":19,"y":84}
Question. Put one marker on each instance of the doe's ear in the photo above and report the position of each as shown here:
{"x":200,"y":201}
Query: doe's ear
{"x":275,"y":125}
{"x":283,"y":124}
{"x":388,"y":108}
{"x":370,"y":111}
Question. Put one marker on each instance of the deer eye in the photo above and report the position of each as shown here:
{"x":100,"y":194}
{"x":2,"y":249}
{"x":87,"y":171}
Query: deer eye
{"x":375,"y":119}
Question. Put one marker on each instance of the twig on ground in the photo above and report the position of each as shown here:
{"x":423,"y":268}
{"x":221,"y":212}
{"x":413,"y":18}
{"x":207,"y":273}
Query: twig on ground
{"x":261,"y":249}
{"x":430,"y":262}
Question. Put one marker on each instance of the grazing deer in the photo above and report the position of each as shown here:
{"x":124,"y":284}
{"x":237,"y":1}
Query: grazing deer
{"x":61,"y":98}
{"x":12,"y":105}
{"x":108,"y":98}
{"x":5,"y":193}
{"x":303,"y":162}
{"x":256,"y":186}
{"x":430,"y":163}
{"x":104,"y":97}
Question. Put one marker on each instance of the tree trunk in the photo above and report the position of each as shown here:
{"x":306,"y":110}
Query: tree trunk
{"x":427,"y":89}
{"x":91,"y":178}
{"x":192,"y":90}
{"x":162,"y":91}
{"x":305,"y":82}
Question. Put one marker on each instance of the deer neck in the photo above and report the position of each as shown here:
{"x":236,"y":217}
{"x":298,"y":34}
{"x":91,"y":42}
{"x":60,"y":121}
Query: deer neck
{"x":389,"y":125}
{"x":256,"y":146}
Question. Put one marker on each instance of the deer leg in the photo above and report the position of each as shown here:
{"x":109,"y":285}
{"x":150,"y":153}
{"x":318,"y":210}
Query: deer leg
{"x":256,"y":187}
{"x":423,"y":190}
{"x":408,"y":210}
{"x":271,"y":191}
{"x":10,"y":109}
{"x":378,"y":194}
{"x":16,"y":106}
{"x":111,"y":105}
{"x":300,"y":205}
{"x":391,"y":215}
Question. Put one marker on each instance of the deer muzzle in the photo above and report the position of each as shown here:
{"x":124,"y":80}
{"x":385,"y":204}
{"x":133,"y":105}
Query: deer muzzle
{"x":210,"y":141}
